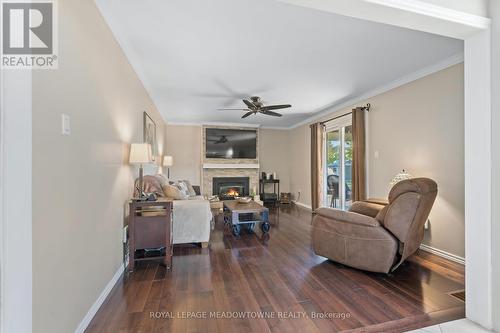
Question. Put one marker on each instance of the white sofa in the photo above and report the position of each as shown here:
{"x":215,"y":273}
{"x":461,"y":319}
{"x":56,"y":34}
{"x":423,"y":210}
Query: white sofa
{"x":192,"y":218}
{"x":192,"y":221}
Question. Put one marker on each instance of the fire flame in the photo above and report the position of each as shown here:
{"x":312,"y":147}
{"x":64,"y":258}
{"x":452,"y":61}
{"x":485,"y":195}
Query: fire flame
{"x":232,"y":193}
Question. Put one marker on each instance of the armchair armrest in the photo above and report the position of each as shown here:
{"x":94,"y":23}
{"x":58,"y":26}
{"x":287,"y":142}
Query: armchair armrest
{"x":368,"y":208}
{"x":348,"y":217}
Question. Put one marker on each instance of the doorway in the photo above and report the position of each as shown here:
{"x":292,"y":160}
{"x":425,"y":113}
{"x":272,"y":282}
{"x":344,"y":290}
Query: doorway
{"x":338,"y":166}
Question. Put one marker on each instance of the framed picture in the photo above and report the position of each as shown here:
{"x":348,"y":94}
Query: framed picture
{"x":149,"y":133}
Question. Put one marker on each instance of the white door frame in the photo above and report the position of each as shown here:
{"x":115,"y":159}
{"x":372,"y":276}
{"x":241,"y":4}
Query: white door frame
{"x":476,"y":32}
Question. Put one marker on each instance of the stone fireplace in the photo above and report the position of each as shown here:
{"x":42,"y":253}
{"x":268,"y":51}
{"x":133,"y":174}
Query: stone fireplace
{"x":215,"y":169}
{"x":227,"y":188}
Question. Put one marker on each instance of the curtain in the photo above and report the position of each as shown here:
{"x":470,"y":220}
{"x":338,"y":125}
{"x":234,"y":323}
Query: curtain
{"x":358,"y":155}
{"x":317,"y":133}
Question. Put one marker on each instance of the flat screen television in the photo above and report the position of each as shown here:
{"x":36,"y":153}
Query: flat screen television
{"x":231,"y":143}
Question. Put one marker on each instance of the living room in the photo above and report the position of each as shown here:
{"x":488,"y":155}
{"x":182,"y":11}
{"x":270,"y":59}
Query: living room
{"x":268,"y":138}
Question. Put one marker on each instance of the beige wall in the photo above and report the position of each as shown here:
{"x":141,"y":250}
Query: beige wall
{"x":81,"y":182}
{"x":274,"y":156}
{"x":420,"y":127}
{"x":184,"y":144}
{"x":300,"y":164}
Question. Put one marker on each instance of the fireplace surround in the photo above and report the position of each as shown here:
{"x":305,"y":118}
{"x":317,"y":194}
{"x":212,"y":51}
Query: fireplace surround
{"x":227,"y":188}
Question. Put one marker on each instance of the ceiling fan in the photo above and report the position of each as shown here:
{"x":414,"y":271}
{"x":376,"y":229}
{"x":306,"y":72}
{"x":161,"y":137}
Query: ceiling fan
{"x":223,"y":139}
{"x":255,"y":105}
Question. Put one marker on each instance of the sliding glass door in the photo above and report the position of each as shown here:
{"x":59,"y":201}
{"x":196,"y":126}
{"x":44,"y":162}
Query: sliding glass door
{"x":338,"y":169}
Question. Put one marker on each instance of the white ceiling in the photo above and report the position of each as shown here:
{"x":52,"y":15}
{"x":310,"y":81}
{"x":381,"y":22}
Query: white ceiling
{"x":195,"y":56}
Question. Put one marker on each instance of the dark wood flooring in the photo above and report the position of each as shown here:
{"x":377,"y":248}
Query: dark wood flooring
{"x":280,"y":278}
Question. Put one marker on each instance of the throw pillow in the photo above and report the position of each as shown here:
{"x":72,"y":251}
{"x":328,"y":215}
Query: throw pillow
{"x":150,"y":185}
{"x":162,"y":179}
{"x":183,"y":187}
{"x":190,"y":188}
{"x":172,"y":191}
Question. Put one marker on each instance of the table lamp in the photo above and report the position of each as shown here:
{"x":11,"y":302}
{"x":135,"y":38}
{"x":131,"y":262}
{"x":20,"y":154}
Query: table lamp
{"x":399,"y":177}
{"x":140,"y":153}
{"x":168,"y":161}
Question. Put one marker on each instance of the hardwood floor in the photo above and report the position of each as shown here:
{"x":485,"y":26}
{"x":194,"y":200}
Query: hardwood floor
{"x":279,"y":278}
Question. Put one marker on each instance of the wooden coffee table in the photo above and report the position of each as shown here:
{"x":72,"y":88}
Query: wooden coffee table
{"x":249,"y":214}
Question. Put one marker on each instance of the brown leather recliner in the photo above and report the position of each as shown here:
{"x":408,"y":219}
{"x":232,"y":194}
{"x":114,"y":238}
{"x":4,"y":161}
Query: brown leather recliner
{"x":373,"y":235}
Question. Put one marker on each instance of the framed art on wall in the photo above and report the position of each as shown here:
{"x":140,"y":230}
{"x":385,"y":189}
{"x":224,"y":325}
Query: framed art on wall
{"x":149,"y":133}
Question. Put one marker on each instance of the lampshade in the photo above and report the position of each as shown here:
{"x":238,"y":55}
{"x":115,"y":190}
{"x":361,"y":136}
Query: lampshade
{"x":399,"y":177}
{"x":168,"y":161}
{"x":140,"y":153}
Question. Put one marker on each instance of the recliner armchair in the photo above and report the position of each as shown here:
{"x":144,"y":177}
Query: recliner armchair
{"x":376,"y":236}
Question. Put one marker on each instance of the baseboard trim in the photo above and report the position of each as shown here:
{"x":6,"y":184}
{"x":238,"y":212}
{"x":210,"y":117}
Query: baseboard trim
{"x":443,"y":254}
{"x":97,"y":304}
{"x":303,"y":205}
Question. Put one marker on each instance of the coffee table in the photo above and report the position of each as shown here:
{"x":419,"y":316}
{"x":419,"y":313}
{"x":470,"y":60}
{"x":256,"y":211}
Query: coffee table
{"x":249,"y":214}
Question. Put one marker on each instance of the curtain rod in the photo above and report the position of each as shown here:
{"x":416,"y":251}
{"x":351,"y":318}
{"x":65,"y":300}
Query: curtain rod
{"x":365,"y":108}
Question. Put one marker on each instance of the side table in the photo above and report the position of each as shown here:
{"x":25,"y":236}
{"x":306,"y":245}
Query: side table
{"x":150,"y":227}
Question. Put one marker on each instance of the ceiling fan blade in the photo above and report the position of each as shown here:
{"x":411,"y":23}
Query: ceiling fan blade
{"x":275,"y":107}
{"x":271,"y":113}
{"x":233,"y":109}
{"x":250,"y":105}
{"x":247,"y":114}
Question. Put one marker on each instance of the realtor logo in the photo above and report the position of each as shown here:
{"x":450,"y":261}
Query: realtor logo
{"x":28,"y":35}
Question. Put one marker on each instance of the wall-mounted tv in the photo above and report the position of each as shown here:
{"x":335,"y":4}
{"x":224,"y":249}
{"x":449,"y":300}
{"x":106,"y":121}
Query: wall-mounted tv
{"x":231,"y":143}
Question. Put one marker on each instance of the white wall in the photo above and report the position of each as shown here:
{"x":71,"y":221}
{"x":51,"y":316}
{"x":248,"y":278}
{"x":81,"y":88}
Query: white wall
{"x":495,"y":122}
{"x":81,"y":182}
{"x":16,"y":204}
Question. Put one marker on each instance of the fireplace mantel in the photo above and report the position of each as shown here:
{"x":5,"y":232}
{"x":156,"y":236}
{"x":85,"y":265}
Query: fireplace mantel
{"x":230,"y":166}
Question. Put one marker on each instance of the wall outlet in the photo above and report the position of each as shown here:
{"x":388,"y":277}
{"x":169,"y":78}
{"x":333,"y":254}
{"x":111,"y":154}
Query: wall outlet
{"x":125,"y":234}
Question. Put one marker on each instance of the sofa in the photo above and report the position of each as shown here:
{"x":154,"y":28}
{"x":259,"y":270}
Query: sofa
{"x":373,"y":235}
{"x":192,"y":216}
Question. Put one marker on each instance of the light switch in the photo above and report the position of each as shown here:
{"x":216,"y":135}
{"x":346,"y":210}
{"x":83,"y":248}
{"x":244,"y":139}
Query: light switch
{"x":66,"y":125}
{"x":376,"y":154}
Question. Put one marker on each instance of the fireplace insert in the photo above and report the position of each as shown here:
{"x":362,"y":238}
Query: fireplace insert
{"x":227,"y":188}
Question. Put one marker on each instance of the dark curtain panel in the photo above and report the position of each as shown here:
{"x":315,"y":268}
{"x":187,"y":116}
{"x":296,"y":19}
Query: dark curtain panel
{"x":358,"y":155}
{"x":317,"y":132}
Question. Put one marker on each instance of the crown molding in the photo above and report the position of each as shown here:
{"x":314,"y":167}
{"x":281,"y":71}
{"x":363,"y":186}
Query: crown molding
{"x":208,"y":123}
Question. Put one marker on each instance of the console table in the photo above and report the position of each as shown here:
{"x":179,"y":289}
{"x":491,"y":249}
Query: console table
{"x":150,"y":231}
{"x":269,"y":197}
